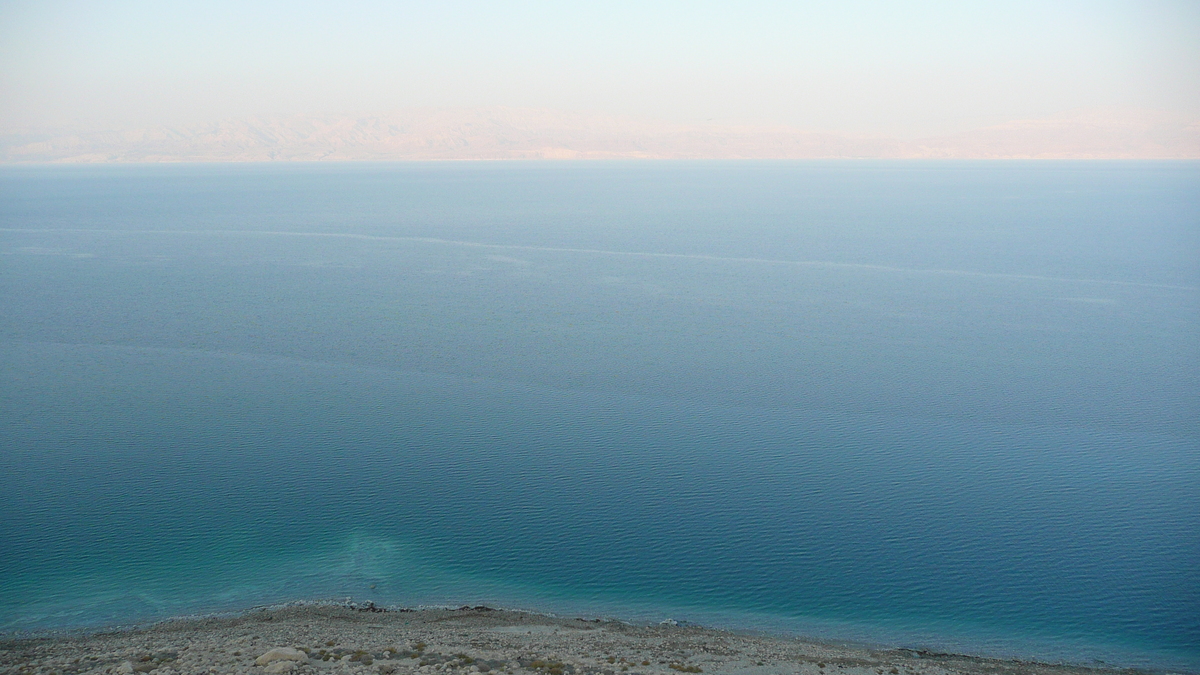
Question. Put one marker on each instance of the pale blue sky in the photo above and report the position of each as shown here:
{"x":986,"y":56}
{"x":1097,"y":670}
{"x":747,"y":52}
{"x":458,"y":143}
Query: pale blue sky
{"x":904,"y":68}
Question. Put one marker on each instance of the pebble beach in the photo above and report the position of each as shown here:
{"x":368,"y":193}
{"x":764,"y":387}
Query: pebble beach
{"x":358,"y":640}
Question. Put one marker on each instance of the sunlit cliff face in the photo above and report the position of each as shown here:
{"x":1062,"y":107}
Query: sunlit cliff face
{"x":527,"y":134}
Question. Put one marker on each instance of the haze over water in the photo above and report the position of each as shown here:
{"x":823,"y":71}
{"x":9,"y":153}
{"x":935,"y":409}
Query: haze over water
{"x":944,"y":405}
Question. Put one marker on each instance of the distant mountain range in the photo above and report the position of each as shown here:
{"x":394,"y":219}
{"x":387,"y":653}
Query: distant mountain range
{"x":520,"y":133}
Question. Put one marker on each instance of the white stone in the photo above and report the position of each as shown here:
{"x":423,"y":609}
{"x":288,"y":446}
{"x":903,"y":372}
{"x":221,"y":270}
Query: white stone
{"x":124,"y":669}
{"x":281,"y":654}
{"x":280,"y":667}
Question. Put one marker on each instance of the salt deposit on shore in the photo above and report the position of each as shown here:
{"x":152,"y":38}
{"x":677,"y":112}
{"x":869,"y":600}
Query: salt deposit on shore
{"x":338,"y":640}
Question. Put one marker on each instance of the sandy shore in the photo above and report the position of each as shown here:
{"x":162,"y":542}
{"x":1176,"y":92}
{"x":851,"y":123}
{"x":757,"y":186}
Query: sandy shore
{"x":310,"y":640}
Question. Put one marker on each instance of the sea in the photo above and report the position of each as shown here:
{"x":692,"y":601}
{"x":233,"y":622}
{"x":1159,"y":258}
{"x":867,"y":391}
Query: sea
{"x":945,"y":405}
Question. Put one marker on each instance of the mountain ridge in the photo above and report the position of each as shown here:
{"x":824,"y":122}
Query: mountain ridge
{"x":527,"y":133}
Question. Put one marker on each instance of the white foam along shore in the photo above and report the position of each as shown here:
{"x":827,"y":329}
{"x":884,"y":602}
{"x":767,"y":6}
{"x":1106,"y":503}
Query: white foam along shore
{"x":313,"y":639}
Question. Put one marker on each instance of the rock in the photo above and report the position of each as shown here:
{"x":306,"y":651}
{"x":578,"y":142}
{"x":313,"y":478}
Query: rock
{"x":124,"y":669}
{"x":385,"y":668}
{"x":281,"y":654}
{"x":280,"y":667}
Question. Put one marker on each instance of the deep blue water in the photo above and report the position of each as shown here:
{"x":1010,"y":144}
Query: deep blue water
{"x":950,"y":405}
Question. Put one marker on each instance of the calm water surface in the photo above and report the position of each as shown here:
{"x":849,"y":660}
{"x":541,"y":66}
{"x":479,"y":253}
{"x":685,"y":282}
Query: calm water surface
{"x":947,"y":405}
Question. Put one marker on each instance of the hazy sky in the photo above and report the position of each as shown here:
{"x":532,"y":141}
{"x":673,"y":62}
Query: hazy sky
{"x":902,"y":68}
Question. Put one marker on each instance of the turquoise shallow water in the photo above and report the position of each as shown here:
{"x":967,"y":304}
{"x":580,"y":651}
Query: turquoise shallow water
{"x":947,"y":405}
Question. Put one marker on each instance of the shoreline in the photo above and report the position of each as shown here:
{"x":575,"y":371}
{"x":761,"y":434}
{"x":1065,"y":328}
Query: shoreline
{"x":326,"y":638}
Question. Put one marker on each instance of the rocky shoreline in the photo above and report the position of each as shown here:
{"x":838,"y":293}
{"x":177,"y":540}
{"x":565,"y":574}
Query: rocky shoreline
{"x":365,"y":640}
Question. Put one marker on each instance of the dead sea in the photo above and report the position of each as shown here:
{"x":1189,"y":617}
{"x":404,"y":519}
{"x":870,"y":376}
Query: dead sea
{"x":947,"y":405}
